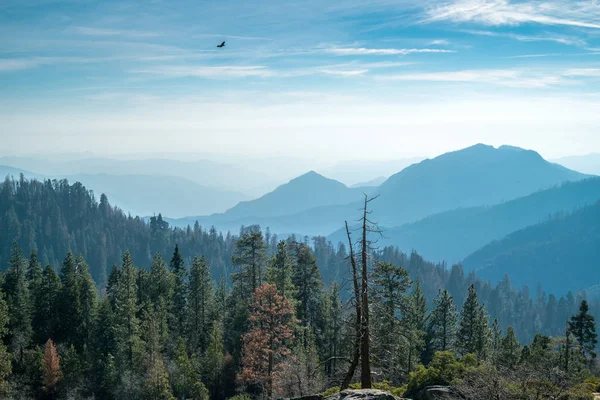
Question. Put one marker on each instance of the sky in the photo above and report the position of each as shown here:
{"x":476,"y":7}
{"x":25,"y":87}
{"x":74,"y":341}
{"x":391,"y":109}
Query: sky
{"x":336,"y":80}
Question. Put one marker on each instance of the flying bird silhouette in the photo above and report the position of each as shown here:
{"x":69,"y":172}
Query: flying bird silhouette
{"x":221,"y":45}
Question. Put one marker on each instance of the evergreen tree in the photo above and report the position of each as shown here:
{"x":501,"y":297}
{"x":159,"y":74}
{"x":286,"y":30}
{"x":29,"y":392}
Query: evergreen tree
{"x":46,"y":314}
{"x":127,"y":324}
{"x":307,"y":281}
{"x":249,"y":258}
{"x":510,"y":349}
{"x":413,"y":324}
{"x":34,"y":272}
{"x":467,"y":335}
{"x":583,"y":328}
{"x":279,"y":271}
{"x":180,"y":296}
{"x":161,"y":288}
{"x":16,"y":289}
{"x":214,"y":362}
{"x":5,"y":356}
{"x":389,"y":285}
{"x":443,"y":322}
{"x":201,"y":303}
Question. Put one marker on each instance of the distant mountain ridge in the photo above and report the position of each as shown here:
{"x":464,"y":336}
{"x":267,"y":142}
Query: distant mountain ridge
{"x":452,"y":235}
{"x":562,"y":254}
{"x":299,"y":194}
{"x":476,"y":176}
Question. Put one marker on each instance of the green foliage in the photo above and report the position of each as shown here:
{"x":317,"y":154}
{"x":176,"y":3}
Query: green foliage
{"x":443,"y":370}
{"x":330,"y":392}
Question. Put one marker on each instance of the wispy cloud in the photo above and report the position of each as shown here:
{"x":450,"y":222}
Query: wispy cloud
{"x":439,"y":42}
{"x":590,"y":72}
{"x":218,"y":35}
{"x":563,"y":39}
{"x":226,"y":71}
{"x":580,"y":13}
{"x":508,"y":77}
{"x":91,"y":31}
{"x":354,"y":72}
{"x":18,"y":64}
{"x":360,"y":51}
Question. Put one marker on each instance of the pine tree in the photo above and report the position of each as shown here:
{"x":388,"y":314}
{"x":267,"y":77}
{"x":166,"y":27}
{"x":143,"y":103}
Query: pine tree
{"x":161,"y":289}
{"x":156,"y":379}
{"x":249,"y":258}
{"x":69,"y":307}
{"x":510,"y":349}
{"x":414,"y":324}
{"x":34,"y":272}
{"x":16,"y":289}
{"x":495,"y":342}
{"x":389,"y":285}
{"x":127,"y":324}
{"x":52,"y":373}
{"x":443,"y":322}
{"x":307,"y":281}
{"x":183,"y":375}
{"x":201,"y":304}
{"x":466,"y":337}
{"x":583,"y":328}
{"x":5,"y":356}
{"x":180,"y":294}
{"x":482,"y":334}
{"x":279,"y":271}
{"x":267,"y":344}
{"x":45,"y":313}
{"x":88,"y":301}
{"x":214,"y":362}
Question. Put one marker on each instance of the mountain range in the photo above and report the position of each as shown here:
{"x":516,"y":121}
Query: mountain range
{"x":562,"y":253}
{"x":475,"y":176}
{"x":452,"y":235}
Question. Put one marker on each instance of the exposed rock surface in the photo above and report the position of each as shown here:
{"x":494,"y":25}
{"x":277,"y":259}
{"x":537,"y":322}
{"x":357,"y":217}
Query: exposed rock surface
{"x":363,"y":394}
{"x":439,"y":393}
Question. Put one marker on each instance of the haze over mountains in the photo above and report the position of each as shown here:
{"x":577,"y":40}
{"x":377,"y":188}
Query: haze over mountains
{"x":562,"y":254}
{"x":475,"y":176}
{"x":452,"y":235}
{"x":457,"y":206}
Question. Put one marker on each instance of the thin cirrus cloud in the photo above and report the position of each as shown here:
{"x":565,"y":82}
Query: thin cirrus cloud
{"x":91,"y":31}
{"x":578,"y":13}
{"x":363,"y":51}
{"x":507,"y":77}
{"x":563,"y":39}
{"x":344,"y":72}
{"x":227,"y":71}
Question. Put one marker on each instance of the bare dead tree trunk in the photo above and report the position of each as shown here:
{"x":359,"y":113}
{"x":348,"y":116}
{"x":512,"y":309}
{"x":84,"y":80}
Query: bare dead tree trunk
{"x":357,"y":301}
{"x":365,"y":357}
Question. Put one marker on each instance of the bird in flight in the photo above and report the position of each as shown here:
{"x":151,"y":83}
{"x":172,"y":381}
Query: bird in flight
{"x":221,"y":45}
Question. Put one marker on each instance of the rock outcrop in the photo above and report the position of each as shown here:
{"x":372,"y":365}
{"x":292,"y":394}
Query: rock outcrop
{"x":363,"y":394}
{"x":439,"y":393}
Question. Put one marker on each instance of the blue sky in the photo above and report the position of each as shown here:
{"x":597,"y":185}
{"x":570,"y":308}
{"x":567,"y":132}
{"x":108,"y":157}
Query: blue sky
{"x":327,"y":79}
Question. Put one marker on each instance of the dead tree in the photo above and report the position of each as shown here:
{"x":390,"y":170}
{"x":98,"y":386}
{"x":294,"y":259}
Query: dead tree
{"x":361,"y":298}
{"x":357,"y":304}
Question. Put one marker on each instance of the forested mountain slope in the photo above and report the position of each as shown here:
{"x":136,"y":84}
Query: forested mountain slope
{"x":562,"y":254}
{"x":452,"y":235}
{"x":55,"y":217}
